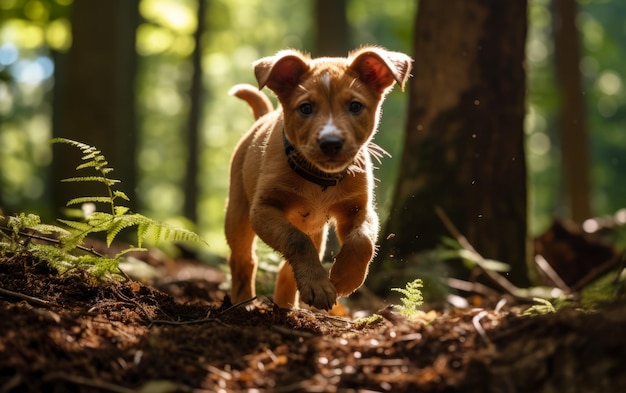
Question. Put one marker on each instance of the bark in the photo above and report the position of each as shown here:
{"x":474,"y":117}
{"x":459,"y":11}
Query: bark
{"x":193,"y":129}
{"x":573,"y":120}
{"x":332,"y":35}
{"x":464,"y":145}
{"x":98,"y":102}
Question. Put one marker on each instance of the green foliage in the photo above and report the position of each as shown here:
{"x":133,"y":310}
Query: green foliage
{"x":412,"y":299}
{"x":371,"y":320}
{"x":452,"y":250}
{"x":542,"y":307}
{"x":120,"y":217}
{"x":64,"y":249}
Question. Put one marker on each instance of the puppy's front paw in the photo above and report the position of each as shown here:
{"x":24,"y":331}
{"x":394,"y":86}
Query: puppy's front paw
{"x":318,"y":293}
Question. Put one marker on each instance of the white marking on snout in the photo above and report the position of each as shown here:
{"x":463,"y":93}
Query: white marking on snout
{"x":326,"y":80}
{"x":329,"y":129}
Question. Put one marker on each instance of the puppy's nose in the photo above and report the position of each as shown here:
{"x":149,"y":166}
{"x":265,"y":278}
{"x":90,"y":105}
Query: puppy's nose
{"x":330,"y":145}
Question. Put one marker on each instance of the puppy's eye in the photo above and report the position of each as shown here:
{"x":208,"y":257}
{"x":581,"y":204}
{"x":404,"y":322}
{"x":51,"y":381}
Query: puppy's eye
{"x":355,"y":107}
{"x":306,"y":108}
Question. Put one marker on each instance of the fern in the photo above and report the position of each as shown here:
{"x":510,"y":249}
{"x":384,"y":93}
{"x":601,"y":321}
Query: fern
{"x":66,"y":250}
{"x":541,"y":307}
{"x":412,"y":299}
{"x":120,"y":217}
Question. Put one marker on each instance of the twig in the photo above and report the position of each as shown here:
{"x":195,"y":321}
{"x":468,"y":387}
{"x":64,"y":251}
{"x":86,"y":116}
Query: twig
{"x":58,"y":242}
{"x":208,"y":318}
{"x":479,"y":328}
{"x":600,"y":270}
{"x":502,"y":282}
{"x":545,"y":267}
{"x":52,"y":240}
{"x":30,"y":299}
{"x":472,"y":287}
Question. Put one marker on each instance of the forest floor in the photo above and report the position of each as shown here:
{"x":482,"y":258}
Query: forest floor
{"x":179,"y":333}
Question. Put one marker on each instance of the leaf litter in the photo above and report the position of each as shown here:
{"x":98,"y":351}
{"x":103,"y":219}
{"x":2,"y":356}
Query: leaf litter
{"x":73,"y":333}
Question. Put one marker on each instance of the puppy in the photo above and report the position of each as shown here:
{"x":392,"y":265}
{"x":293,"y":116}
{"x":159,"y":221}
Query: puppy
{"x":305,"y":165}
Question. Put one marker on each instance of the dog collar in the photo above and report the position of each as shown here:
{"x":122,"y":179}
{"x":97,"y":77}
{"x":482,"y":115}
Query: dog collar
{"x":306,"y":170}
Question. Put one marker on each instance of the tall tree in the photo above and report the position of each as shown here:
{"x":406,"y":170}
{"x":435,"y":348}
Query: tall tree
{"x":464,"y":145}
{"x":193,"y":123}
{"x":573,"y":121}
{"x":332,"y":34}
{"x":97,"y":93}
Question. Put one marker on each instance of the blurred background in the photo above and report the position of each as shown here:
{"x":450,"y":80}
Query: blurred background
{"x":146,"y":81}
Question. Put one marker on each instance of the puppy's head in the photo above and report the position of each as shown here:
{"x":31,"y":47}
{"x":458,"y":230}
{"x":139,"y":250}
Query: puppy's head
{"x":331,"y":105}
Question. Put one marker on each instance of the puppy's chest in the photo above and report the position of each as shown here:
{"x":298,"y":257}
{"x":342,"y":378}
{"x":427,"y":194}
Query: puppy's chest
{"x":311,"y":214}
{"x":308,"y":215}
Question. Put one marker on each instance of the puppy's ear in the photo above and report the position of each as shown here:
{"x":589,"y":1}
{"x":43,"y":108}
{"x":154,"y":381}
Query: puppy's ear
{"x":380,"y":68}
{"x":282,"y":72}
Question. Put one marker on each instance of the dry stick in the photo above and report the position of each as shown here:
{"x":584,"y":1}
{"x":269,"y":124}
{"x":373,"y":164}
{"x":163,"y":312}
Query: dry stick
{"x":30,"y":299}
{"x":208,"y":318}
{"x":543,"y":264}
{"x":479,"y":328}
{"x":472,"y":287}
{"x":600,"y":270}
{"x":502,"y":282}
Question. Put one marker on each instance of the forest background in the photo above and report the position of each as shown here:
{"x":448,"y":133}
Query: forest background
{"x":179,"y":58}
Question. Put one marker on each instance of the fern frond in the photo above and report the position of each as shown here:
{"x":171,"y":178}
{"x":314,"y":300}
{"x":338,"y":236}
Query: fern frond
{"x":99,"y":179}
{"x":120,"y":194}
{"x":89,"y":164}
{"x":77,"y":225}
{"x":142,"y":232}
{"x":159,"y":231}
{"x":91,"y":154}
{"x":413,"y":298}
{"x":121,"y":210}
{"x":98,"y":265}
{"x":55,"y":256}
{"x":121,"y":222}
{"x":82,"y":146}
{"x":48,"y":229}
{"x":120,"y":254}
{"x":92,"y":199}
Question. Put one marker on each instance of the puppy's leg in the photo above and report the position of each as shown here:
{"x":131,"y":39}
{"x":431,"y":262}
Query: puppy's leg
{"x":241,"y":239}
{"x":271,"y":225}
{"x":357,"y":234}
{"x":285,"y":292}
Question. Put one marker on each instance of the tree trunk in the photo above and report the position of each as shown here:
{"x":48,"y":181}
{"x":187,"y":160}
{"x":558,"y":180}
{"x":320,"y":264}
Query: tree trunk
{"x":98,"y":106}
{"x":193,"y":124}
{"x":332,"y":35}
{"x":464,"y":145}
{"x":572,"y":112}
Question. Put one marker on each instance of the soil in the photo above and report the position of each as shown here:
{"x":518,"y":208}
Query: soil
{"x":180,"y":333}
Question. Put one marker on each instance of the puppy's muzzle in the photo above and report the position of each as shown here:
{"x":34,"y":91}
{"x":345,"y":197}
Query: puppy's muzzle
{"x":331,"y":145}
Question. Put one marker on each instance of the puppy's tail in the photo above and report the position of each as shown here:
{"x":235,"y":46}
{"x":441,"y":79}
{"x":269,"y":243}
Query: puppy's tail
{"x":260,"y":104}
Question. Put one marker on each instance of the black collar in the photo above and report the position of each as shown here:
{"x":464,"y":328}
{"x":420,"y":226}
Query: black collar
{"x":305,"y":169}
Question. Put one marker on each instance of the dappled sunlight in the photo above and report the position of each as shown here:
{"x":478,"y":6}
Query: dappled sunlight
{"x":59,"y":35}
{"x":24,"y":34}
{"x":239,"y":32}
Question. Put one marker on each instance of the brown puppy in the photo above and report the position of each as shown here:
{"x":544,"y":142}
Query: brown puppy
{"x":308,"y":164}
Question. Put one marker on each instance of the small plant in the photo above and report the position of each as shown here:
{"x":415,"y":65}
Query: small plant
{"x":63,"y":248}
{"x":412,"y":299}
{"x":542,"y":307}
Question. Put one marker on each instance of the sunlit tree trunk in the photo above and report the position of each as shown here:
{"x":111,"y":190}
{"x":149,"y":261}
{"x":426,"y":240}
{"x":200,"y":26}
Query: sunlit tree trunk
{"x":464,"y":145}
{"x":573,"y":121}
{"x":193,"y":124}
{"x":98,"y":102}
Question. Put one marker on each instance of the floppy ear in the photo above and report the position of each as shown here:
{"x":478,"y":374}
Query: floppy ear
{"x":281,"y":72}
{"x":380,"y":68}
